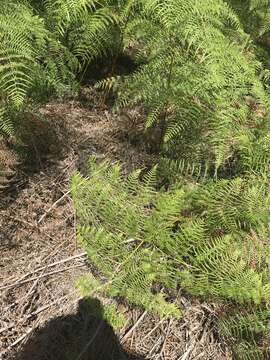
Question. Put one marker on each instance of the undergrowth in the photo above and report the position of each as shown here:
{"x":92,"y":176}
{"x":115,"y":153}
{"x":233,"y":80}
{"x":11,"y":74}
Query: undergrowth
{"x":200,"y":76}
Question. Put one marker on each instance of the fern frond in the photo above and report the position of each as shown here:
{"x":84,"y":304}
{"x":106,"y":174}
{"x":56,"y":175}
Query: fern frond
{"x":64,"y":12}
{"x":6,"y":125}
{"x":18,"y":28}
{"x":176,"y":171}
{"x":94,"y":38}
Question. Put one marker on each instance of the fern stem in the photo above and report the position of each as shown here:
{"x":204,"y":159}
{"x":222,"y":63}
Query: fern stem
{"x":163,"y":119}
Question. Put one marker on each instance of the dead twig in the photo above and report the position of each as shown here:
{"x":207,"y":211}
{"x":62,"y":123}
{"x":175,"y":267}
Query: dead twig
{"x":152,"y":330}
{"x":20,"y":338}
{"x":30,"y":294}
{"x":29,"y":316}
{"x":130,"y":331}
{"x":91,"y":341}
{"x":154,"y":346}
{"x":16,"y":342}
{"x":165,"y":339}
{"x":189,"y":350}
{"x":41,"y":276}
{"x":54,"y":251}
{"x":20,"y":281}
{"x":53,"y":206}
{"x":193,"y":343}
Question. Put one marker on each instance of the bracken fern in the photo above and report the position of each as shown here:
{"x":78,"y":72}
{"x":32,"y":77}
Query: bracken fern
{"x":210,"y":238}
{"x":198,"y":78}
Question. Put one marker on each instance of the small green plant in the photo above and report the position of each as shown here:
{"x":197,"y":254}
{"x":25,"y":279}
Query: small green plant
{"x":114,"y":317}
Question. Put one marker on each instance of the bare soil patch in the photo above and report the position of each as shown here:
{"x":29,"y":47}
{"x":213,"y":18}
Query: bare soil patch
{"x":41,"y":260}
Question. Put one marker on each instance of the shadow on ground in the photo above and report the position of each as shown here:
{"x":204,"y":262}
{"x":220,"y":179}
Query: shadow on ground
{"x":81,"y":336}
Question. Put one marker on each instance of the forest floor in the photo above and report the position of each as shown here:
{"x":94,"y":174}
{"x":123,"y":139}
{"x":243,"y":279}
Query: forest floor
{"x":40,"y":259}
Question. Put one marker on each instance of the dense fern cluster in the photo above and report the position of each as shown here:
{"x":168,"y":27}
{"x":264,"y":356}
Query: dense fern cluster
{"x":217,"y":233}
{"x":210,"y":239}
{"x":121,"y":247}
{"x":198,"y":79}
